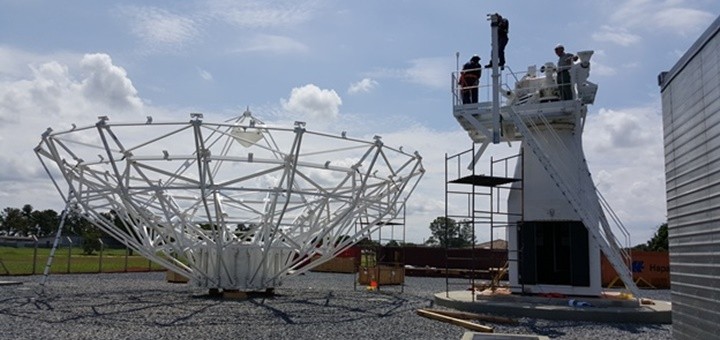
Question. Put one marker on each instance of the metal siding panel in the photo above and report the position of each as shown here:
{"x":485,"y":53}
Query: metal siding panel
{"x":686,"y":166}
{"x":710,"y":82}
{"x":701,"y":258}
{"x":695,"y":186}
{"x":692,"y":245}
{"x":687,"y":136}
{"x":696,"y":274}
{"x":712,"y":106}
{"x":713,"y":138}
{"x":691,"y":132}
{"x":690,"y":321}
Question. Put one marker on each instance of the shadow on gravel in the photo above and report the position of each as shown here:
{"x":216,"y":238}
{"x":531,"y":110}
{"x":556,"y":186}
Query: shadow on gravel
{"x":160,"y":308}
{"x":555,"y":329}
{"x":540,"y":328}
{"x":637,"y":328}
{"x":315,"y":307}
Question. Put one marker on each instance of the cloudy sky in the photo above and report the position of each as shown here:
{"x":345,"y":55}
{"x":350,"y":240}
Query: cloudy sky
{"x":366,"y":67}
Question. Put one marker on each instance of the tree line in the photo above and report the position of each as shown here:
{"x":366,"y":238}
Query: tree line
{"x":27,"y":221}
{"x":457,"y":234}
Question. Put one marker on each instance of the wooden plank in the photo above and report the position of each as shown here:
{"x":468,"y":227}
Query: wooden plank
{"x":458,"y":322}
{"x":232,"y":294}
{"x":474,"y":316}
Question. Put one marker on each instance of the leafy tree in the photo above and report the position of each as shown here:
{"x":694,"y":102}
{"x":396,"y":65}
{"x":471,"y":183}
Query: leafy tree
{"x":27,"y":221}
{"x":368,"y":243}
{"x":432,"y":242}
{"x":78,"y":224}
{"x":392,"y":243}
{"x":466,"y":233}
{"x":659,"y":241}
{"x":46,"y":221}
{"x":15,"y":222}
{"x":91,"y":241}
{"x":447,"y":232}
{"x":27,"y":209}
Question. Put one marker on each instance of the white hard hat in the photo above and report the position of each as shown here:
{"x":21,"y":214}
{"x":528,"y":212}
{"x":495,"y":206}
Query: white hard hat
{"x":559,"y":46}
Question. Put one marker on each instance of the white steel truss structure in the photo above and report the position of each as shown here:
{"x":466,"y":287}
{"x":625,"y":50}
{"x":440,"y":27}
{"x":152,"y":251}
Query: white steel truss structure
{"x":234,"y":205}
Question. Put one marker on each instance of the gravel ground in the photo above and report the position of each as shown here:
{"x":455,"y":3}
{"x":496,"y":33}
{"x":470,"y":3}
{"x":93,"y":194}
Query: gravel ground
{"x":312,"y":306}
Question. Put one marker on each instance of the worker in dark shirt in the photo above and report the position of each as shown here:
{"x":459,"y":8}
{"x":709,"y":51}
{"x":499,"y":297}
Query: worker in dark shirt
{"x":469,"y":80}
{"x":565,"y":62}
{"x":503,"y":26}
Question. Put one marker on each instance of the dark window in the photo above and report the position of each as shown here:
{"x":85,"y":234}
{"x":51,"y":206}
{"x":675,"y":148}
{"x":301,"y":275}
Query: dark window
{"x":554,"y":252}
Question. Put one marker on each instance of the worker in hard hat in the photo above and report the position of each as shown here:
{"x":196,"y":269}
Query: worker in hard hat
{"x":469,"y":80}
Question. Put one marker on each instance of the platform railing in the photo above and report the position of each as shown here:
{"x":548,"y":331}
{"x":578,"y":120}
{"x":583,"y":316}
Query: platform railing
{"x":511,"y":77}
{"x":484,"y":88}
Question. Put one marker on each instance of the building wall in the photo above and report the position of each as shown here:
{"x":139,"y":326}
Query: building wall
{"x":691,"y":124}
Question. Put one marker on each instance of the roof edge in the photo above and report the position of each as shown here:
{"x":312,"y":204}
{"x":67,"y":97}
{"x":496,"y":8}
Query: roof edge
{"x":666,"y":77}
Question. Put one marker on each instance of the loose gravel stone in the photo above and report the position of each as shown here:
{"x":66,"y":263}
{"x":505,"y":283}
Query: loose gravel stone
{"x":312,"y":306}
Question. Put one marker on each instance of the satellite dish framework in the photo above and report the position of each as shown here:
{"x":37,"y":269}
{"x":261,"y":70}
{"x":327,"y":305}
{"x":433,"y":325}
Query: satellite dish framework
{"x":238,"y":205}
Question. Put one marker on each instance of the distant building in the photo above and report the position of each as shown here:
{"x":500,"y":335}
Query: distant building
{"x":495,"y":244}
{"x":16,"y":241}
{"x":691,"y":122}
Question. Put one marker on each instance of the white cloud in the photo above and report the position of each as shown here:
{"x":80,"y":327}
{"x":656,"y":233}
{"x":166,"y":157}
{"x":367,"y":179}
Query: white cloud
{"x":56,"y":90}
{"x":55,"y":95}
{"x":627,"y":128}
{"x":616,"y":35}
{"x":363,"y":86}
{"x":204,"y":74}
{"x":43,"y":94}
{"x":272,"y":43}
{"x":15,"y":63}
{"x":632,"y":65}
{"x":160,"y":30}
{"x":600,"y":69}
{"x":259,"y":14}
{"x":314,"y":102}
{"x":677,"y":54}
{"x":671,"y":16}
{"x":624,"y":149}
{"x":108,"y":83}
{"x":431,"y":72}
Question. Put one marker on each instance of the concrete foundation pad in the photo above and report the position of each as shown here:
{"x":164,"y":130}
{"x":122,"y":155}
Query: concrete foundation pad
{"x":598,"y":309}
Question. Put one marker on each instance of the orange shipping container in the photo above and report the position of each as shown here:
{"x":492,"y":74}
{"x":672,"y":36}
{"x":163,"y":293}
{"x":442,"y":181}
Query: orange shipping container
{"x":649,"y":268}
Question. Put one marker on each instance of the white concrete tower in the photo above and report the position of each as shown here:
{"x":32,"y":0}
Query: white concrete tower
{"x":557,"y":226}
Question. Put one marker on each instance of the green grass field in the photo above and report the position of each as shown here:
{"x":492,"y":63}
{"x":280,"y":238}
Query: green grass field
{"x":19,"y":261}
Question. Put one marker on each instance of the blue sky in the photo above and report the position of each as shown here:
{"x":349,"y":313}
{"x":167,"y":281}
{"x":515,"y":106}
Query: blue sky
{"x":367,"y":67}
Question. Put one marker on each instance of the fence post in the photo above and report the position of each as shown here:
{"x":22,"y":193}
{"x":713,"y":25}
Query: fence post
{"x":35,"y":254}
{"x":102,"y":247}
{"x":127,"y":253}
{"x":70,"y":244}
